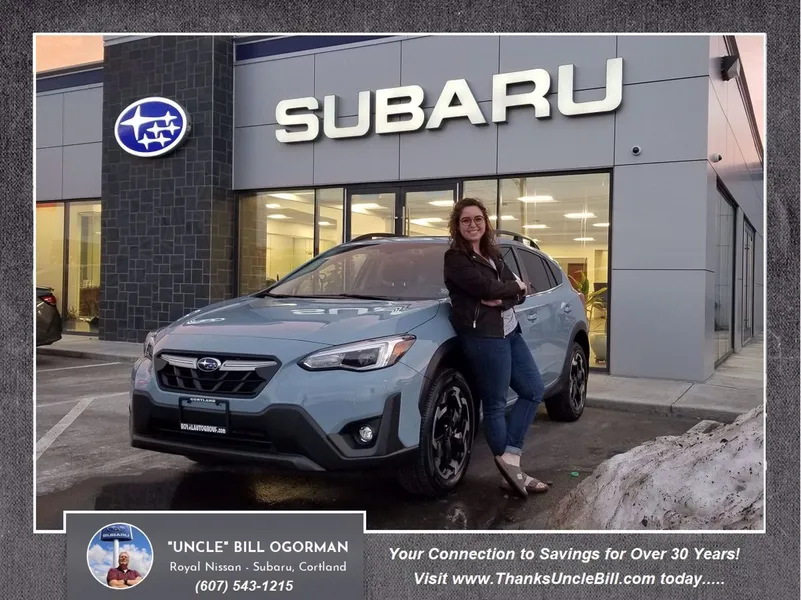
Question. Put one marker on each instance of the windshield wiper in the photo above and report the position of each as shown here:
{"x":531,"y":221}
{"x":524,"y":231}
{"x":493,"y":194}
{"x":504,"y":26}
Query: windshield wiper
{"x":272,"y":295}
{"x":360,"y":297}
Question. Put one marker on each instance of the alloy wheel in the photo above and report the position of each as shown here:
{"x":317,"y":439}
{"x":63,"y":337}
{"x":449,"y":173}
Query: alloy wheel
{"x":452,"y":431}
{"x":578,"y":380}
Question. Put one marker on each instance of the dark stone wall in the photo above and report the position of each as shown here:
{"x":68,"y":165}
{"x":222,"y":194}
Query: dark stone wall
{"x":168,"y":223}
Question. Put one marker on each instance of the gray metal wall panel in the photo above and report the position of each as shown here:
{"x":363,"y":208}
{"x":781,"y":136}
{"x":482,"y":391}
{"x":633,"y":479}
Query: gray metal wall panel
{"x":261,"y":161}
{"x":345,"y":73}
{"x":659,"y":58}
{"x":660,"y":216}
{"x":589,"y":55}
{"x":431,"y":61}
{"x":458,"y":147}
{"x":83,"y":171}
{"x":83,"y":116}
{"x":371,"y":158}
{"x":529,"y":145}
{"x":49,"y":120}
{"x":48,"y":173}
{"x":661,"y":328}
{"x":259,"y":87}
{"x":668,"y":120}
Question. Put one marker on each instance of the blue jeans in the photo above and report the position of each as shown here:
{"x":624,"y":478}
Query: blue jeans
{"x":498,"y":364}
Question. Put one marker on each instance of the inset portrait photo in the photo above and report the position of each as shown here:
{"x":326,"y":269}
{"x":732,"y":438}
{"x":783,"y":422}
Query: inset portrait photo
{"x":119,"y":556}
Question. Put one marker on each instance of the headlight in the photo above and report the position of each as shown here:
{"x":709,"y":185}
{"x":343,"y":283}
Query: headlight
{"x":150,"y":341}
{"x":368,"y":355}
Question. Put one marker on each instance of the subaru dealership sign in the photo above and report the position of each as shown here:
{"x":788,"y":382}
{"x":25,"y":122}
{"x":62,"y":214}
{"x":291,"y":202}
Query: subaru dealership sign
{"x":456,"y":100}
{"x":119,"y":531}
{"x":151,"y":127}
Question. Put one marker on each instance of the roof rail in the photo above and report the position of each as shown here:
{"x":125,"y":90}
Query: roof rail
{"x":373,"y":236}
{"x":518,"y":237}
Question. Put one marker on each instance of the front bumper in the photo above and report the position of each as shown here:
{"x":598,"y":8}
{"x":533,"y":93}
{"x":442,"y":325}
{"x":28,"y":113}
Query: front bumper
{"x":282,"y":435}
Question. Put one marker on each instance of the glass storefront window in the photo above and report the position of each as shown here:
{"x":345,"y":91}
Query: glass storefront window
{"x":724,"y":278}
{"x":50,"y":248}
{"x":276,"y":232}
{"x":331,"y":217}
{"x":568,"y":217}
{"x":81,"y":312}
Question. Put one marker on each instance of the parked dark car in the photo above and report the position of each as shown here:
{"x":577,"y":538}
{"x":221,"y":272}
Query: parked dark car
{"x":48,"y":319}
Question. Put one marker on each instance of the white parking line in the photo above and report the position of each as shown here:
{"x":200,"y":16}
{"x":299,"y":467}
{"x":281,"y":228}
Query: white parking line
{"x":52,"y":435}
{"x":77,"y":367}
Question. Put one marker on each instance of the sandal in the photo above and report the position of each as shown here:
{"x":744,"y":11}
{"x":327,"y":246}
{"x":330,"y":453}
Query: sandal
{"x":513,"y":475}
{"x":535,"y":486}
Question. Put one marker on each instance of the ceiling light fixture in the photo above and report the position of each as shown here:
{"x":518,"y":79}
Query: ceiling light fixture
{"x":277,"y":217}
{"x":536,"y":199}
{"x":272,"y":205}
{"x":535,"y":226}
{"x":600,"y":224}
{"x":583,"y":239}
{"x":323,"y":223}
{"x":441,"y":203}
{"x":581,"y":215}
{"x":427,"y":222}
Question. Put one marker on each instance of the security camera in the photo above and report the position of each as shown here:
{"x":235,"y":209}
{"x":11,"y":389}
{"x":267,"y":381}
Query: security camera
{"x":636,"y":150}
{"x":717,"y":158}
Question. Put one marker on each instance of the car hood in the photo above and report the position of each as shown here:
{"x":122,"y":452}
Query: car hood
{"x":322,"y":321}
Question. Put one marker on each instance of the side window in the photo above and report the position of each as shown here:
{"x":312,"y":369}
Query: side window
{"x":541,"y":280}
{"x":508,"y":256}
{"x":553,"y":272}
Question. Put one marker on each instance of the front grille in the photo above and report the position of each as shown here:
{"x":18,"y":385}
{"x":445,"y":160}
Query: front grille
{"x":238,"y":377}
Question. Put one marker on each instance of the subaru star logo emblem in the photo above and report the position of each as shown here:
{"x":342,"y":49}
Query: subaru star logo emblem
{"x":208,"y":364}
{"x":151,"y":127}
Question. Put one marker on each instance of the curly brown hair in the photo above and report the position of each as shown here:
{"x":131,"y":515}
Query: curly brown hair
{"x":487,"y":245}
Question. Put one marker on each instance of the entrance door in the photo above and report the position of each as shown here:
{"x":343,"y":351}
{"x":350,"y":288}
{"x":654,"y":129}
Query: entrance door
{"x":413,"y":210}
{"x":426,"y":209}
{"x":372,"y":210}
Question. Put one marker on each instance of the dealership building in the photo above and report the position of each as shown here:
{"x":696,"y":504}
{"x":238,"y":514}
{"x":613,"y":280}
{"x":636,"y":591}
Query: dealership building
{"x":185,"y":170}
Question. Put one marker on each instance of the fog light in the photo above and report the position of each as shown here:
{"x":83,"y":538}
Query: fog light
{"x":365,"y":434}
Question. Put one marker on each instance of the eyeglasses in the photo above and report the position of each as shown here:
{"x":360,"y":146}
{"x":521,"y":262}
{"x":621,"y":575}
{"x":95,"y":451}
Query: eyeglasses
{"x":465,"y":221}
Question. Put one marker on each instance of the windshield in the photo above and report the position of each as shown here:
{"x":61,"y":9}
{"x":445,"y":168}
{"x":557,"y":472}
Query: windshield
{"x":386,"y":271}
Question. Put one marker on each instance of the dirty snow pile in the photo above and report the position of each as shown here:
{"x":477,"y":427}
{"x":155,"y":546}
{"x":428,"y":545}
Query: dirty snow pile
{"x":708,"y":478}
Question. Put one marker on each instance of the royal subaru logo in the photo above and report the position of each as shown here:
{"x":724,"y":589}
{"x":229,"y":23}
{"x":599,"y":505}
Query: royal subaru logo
{"x":151,"y":127}
{"x":208,"y":364}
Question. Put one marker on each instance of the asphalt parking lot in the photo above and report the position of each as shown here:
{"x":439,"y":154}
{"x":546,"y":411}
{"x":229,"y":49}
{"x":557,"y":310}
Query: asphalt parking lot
{"x":84,"y":462}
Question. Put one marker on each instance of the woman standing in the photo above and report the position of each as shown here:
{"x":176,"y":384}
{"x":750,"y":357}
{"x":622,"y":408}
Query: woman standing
{"x":483,"y":293}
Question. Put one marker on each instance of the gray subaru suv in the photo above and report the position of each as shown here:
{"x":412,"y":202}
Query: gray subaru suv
{"x":350,"y":362}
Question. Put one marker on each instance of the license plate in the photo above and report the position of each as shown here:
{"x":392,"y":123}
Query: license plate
{"x":204,"y":415}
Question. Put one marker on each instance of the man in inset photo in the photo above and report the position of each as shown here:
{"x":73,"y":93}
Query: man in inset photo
{"x":122,"y":576}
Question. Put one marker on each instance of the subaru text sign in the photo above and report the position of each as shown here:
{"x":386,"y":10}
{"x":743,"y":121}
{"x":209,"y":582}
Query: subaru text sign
{"x":118,"y":531}
{"x":456,"y":100}
{"x":151,"y":127}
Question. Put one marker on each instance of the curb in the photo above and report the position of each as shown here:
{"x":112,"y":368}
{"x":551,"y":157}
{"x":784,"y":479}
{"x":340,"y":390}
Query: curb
{"x":718,"y":414}
{"x":87,"y":354}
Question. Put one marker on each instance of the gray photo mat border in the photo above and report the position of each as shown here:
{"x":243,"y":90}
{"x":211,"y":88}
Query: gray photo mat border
{"x":769,"y":563}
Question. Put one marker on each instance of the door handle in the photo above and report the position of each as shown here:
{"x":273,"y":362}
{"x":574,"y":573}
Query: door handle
{"x":568,"y":309}
{"x":532,"y":316}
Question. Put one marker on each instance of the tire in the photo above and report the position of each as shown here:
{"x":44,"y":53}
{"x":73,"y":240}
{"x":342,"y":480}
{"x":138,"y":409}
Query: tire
{"x":568,"y":405}
{"x":428,"y":475}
